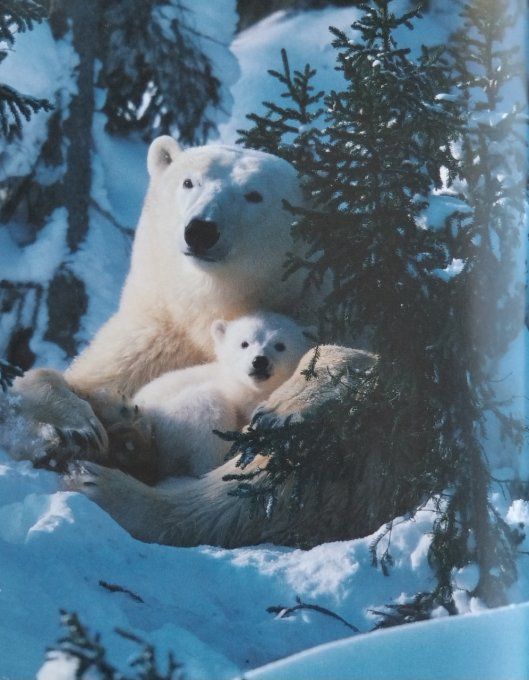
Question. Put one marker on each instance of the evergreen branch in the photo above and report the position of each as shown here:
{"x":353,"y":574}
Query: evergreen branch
{"x":7,"y":374}
{"x":297,"y":119}
{"x":91,"y":656}
{"x":18,"y":16}
{"x":13,"y":105}
{"x":310,"y":371}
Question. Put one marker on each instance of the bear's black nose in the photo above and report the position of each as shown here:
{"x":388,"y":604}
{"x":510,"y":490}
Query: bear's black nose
{"x":201,"y":235}
{"x":260,"y":363}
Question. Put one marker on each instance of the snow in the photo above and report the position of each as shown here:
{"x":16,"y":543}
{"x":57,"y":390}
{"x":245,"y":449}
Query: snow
{"x":37,"y":261}
{"x":453,"y":269}
{"x":518,"y":512}
{"x":258,"y":49}
{"x":119,"y":187}
{"x":216,"y":23}
{"x":46,"y":75}
{"x":488,"y":646}
{"x":206,"y":604}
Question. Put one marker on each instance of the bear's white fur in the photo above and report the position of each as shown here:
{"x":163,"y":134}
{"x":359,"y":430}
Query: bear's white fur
{"x":255,"y":355}
{"x":172,"y":295}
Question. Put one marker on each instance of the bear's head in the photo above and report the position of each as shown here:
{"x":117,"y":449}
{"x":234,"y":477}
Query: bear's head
{"x":260,"y":350}
{"x":221,"y":208}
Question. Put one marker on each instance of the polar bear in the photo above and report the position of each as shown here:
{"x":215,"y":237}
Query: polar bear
{"x":254,"y":355}
{"x":211,"y":243}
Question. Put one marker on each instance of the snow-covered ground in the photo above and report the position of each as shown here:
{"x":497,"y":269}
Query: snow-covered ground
{"x":209,"y":605}
{"x":206,"y":604}
{"x":489,"y":646}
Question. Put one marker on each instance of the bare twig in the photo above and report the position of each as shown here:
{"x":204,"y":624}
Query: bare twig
{"x":115,"y":588}
{"x":283,"y":612}
{"x":128,"y":231}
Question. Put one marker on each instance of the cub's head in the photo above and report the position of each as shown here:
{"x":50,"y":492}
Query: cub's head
{"x":260,"y":350}
{"x":220,"y":207}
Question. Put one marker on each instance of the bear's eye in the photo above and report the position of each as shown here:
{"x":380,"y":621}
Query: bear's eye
{"x":188,"y":184}
{"x":253,"y":197}
{"x":279,"y":347}
{"x":244,"y":344}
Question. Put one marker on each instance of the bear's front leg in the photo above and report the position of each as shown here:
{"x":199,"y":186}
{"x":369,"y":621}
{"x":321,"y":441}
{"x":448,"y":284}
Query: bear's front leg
{"x":107,"y":429}
{"x":66,"y":423}
{"x":319,"y":379}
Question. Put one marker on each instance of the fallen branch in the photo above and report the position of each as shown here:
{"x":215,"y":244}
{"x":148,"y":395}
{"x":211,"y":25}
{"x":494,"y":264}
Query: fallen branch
{"x":283,"y":612}
{"x":115,"y":588}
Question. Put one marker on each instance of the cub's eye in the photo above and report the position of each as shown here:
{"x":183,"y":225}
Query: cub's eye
{"x":253,"y":197}
{"x":188,"y":184}
{"x":279,"y":347}
{"x":244,"y":344}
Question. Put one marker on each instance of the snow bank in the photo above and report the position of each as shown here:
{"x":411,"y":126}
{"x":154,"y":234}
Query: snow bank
{"x":206,"y":604}
{"x":306,"y":37}
{"x":488,"y":646}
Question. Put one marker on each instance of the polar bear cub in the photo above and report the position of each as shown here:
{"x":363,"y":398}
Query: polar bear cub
{"x":254,"y":355}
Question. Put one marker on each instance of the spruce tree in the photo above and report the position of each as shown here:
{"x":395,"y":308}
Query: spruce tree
{"x":17,"y":16}
{"x":289,"y":131}
{"x":135,"y":61}
{"x":419,"y":418}
{"x":490,"y":291}
{"x":493,"y":165}
{"x":157,"y":77}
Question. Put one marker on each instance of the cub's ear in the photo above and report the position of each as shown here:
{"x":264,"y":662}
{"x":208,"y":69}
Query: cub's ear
{"x":162,"y":153}
{"x":218,"y":330}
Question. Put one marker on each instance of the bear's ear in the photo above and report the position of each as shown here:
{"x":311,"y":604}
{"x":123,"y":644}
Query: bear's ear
{"x":162,"y":153}
{"x":218,"y":329}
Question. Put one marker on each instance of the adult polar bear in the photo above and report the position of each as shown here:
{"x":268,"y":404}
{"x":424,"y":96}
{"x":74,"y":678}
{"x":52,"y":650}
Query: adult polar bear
{"x":211,"y":243}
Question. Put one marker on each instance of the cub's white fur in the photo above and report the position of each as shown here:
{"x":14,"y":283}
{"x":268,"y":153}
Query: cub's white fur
{"x":255,"y":355}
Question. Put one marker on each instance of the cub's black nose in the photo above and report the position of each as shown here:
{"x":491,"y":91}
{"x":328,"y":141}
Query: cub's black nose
{"x":201,"y":235}
{"x":260,"y":363}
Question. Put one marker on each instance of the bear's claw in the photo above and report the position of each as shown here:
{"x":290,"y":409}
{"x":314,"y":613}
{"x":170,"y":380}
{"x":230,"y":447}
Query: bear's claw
{"x":102,"y":484}
{"x":81,"y":475}
{"x":60,"y":445}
